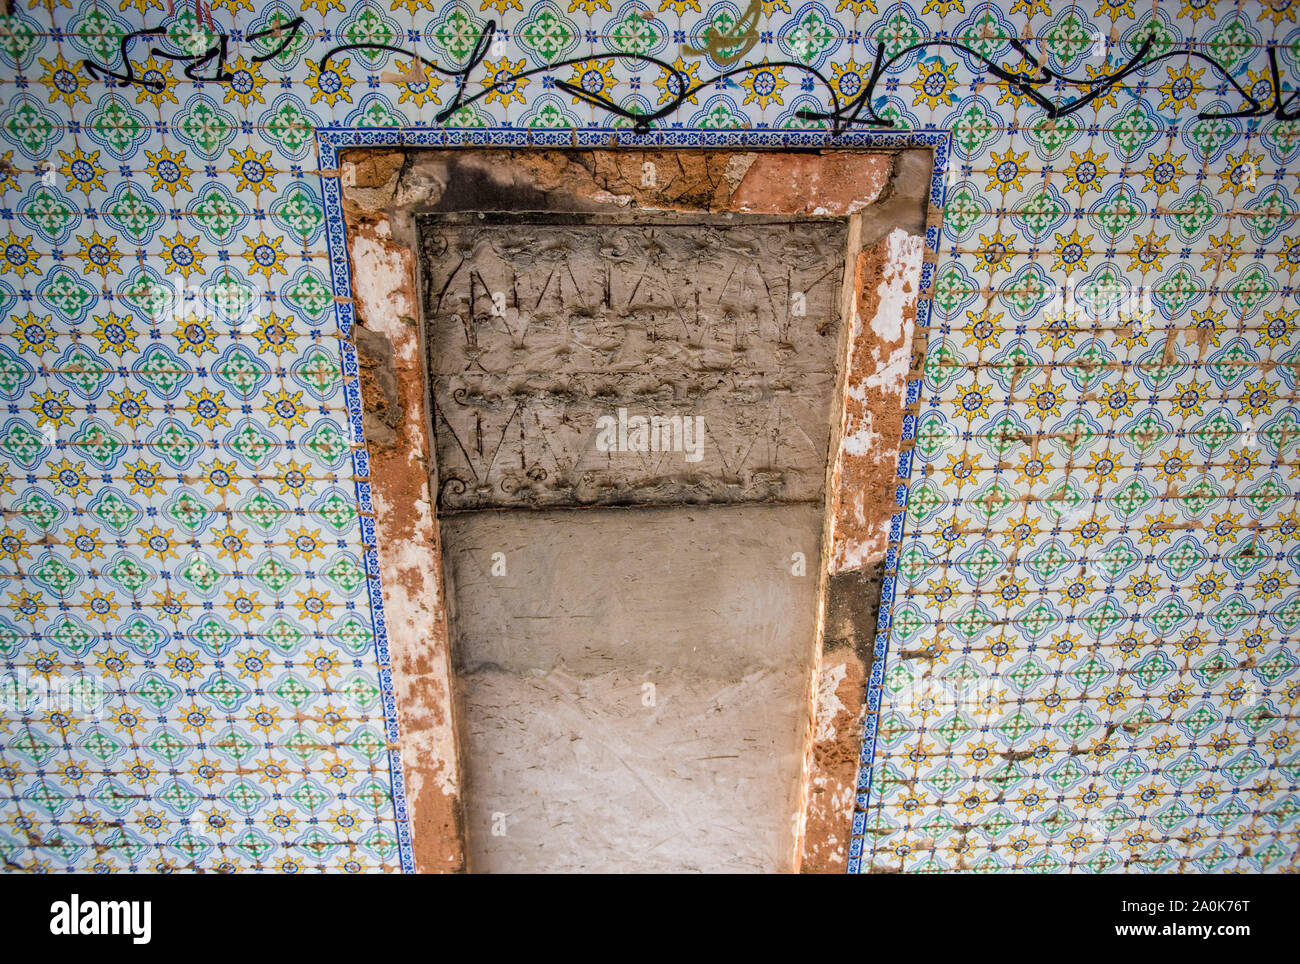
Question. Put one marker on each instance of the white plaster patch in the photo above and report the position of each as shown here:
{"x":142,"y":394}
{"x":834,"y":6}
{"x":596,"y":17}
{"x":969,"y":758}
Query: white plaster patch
{"x":622,"y":200}
{"x":828,"y":700}
{"x":898,"y":290}
{"x":860,"y":439}
{"x":381,"y":283}
{"x":899,"y":284}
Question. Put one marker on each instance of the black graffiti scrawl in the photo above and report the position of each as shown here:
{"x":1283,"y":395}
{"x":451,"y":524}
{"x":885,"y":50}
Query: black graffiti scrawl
{"x":1030,"y":77}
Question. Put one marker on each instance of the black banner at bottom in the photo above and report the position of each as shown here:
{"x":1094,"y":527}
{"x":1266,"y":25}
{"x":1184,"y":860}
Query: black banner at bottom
{"x":257,"y":914}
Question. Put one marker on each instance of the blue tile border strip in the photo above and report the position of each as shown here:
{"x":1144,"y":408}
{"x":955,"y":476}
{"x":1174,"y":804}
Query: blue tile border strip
{"x":332,"y":139}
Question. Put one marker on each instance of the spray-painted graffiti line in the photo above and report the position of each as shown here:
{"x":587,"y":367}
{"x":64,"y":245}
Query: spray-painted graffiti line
{"x":1029,"y":78}
{"x":1038,"y":75}
{"x":206,"y":52}
{"x":861,"y":109}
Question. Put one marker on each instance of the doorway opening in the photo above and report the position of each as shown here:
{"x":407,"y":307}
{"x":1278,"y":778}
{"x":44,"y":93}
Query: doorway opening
{"x":631,"y":421}
{"x":642,"y":401}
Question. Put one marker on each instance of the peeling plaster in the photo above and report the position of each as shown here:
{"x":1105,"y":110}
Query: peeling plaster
{"x":887,"y":286}
{"x":881,"y":306}
{"x":829,"y":704}
{"x":878,"y":359}
{"x":896,"y":308}
{"x":832,"y":783}
{"x":382,"y":288}
{"x":832,"y":184}
{"x":407,"y":544}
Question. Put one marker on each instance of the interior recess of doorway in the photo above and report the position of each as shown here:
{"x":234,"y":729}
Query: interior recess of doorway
{"x":631,"y":418}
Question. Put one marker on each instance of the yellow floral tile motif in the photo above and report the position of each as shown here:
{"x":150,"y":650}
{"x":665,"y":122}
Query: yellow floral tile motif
{"x":1094,"y":576}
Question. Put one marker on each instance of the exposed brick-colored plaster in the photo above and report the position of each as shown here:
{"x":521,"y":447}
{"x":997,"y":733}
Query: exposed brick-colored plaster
{"x":578,"y":180}
{"x":886,"y":289}
{"x":836,"y":743}
{"x":372,"y":169}
{"x":826,"y":184}
{"x":834,"y":184}
{"x":861,"y":503}
{"x":393,"y":395}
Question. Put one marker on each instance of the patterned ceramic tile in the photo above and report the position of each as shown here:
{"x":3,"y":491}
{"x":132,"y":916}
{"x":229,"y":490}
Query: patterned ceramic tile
{"x":1090,"y":659}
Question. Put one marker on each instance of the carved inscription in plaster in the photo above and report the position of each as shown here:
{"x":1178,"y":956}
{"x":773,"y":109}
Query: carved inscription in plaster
{"x":545,"y":337}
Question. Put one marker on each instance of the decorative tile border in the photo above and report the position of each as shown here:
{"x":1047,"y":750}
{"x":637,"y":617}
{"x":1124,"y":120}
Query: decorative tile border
{"x":114,"y":197}
{"x":333,"y":140}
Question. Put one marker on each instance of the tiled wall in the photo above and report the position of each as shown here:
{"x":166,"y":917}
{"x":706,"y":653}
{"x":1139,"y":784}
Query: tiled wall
{"x":1091,"y":664}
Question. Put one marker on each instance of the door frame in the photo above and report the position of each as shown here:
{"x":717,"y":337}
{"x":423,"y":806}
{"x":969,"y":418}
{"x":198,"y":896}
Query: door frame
{"x":377,"y":302}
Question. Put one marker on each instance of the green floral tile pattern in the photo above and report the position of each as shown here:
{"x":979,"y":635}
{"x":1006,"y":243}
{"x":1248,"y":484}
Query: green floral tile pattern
{"x":1089,"y":661}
